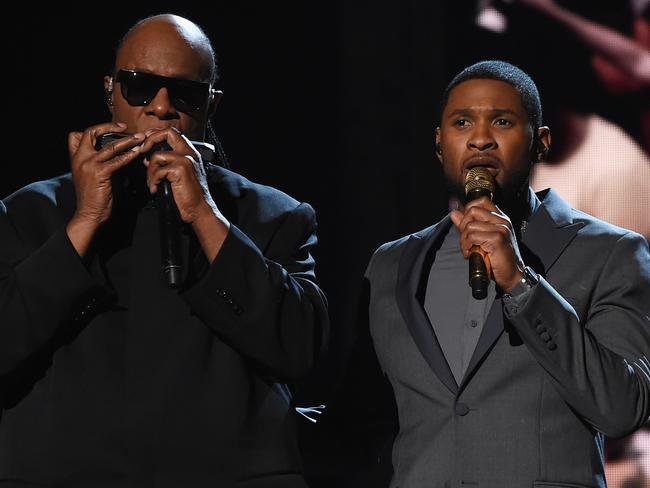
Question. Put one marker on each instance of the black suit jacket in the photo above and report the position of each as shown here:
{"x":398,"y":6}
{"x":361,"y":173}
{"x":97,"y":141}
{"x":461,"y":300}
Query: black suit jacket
{"x":110,"y":378}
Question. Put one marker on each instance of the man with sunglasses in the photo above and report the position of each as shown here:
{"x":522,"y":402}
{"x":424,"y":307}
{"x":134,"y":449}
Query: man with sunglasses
{"x":109,"y":377}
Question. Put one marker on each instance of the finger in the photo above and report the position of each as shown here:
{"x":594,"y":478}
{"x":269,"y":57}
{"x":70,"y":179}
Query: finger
{"x":113,"y":149}
{"x":86,"y":141}
{"x":483,"y":202}
{"x":154,"y":137}
{"x":178,"y":142}
{"x":74,"y":139}
{"x":501,"y":232}
{"x":484,"y":215}
{"x":499,"y":211}
{"x":456,"y":217}
{"x":161,"y":159}
{"x":112,"y":165}
{"x":489,"y":241}
{"x":478,"y":225}
{"x":474,"y":214}
{"x":170,"y":173}
{"x":92,"y":133}
{"x":171,"y":166}
{"x":166,"y":158}
{"x":467,"y":242}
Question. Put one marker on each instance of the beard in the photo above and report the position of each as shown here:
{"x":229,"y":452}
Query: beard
{"x":508,"y":195}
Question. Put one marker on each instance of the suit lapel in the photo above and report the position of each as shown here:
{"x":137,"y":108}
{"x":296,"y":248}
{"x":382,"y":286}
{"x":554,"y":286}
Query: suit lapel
{"x":549,"y":232}
{"x":409,"y":276}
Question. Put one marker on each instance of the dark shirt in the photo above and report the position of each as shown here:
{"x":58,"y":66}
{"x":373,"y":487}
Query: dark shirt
{"x":457,"y":318}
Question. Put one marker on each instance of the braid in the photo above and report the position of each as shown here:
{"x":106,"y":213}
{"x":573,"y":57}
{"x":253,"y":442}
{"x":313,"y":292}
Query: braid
{"x":221,"y":158}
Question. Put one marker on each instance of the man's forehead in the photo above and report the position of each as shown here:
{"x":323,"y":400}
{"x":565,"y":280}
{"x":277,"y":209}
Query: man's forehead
{"x":485,"y":95}
{"x":165,"y":48}
{"x":169,"y":26}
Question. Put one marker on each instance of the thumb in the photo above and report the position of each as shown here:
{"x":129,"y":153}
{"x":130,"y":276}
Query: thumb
{"x":456,"y":217}
{"x":74,"y":139}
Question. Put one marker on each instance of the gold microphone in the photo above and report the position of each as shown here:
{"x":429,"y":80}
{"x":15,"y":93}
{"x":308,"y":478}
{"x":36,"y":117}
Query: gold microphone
{"x":479,"y":182}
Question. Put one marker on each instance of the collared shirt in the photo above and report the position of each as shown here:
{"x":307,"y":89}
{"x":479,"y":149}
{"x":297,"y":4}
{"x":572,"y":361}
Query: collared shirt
{"x":457,"y":318}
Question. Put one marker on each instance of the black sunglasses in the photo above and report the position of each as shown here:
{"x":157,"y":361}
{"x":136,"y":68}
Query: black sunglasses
{"x":140,"y":88}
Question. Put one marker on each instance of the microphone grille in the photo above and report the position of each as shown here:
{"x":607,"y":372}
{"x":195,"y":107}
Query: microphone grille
{"x":479,"y":178}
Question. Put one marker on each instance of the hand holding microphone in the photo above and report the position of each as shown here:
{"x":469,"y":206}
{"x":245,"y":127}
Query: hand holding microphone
{"x":487,"y":238}
{"x":175,"y":173}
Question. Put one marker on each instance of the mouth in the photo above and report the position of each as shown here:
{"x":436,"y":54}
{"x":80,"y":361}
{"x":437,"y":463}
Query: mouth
{"x":161,"y":127}
{"x":491,"y":163}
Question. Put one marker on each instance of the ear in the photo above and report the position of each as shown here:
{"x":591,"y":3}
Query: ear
{"x":108,"y":92}
{"x":215,"y":98}
{"x":438,"y":146}
{"x":542,"y":144}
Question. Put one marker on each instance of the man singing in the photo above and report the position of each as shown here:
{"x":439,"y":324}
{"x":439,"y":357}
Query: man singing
{"x":108,"y":376}
{"x":515,"y":389}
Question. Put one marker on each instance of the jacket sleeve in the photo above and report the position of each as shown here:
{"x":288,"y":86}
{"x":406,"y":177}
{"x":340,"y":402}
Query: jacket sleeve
{"x":266,"y":305}
{"x":601,"y":365}
{"x":40,"y":290}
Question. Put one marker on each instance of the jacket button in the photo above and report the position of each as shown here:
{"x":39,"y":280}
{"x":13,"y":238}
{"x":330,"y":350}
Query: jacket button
{"x":462,"y":409}
{"x":545,"y":336}
{"x":551,"y":346}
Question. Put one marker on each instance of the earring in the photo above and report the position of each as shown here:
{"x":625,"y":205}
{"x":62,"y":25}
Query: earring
{"x":438,"y":149}
{"x":109,"y":93}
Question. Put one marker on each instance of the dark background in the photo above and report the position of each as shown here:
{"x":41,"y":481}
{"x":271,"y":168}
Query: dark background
{"x":332,"y":102}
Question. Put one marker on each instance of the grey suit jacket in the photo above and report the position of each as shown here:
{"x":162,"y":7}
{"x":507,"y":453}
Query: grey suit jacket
{"x":544,"y":384}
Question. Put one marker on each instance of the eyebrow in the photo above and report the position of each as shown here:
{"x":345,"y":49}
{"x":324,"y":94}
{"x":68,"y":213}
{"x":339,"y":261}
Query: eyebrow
{"x":492,"y":111}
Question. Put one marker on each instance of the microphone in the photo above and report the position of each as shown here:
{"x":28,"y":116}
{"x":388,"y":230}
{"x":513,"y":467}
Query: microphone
{"x":170,"y":233}
{"x":170,"y":218}
{"x":170,"y":227}
{"x":478,"y":182}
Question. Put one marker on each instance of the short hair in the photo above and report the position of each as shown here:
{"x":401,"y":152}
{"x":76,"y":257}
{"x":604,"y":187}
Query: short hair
{"x":501,"y":71}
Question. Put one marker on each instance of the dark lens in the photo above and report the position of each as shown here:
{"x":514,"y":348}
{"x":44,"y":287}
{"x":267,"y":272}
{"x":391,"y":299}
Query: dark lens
{"x":187,"y":97}
{"x":138,"y":88}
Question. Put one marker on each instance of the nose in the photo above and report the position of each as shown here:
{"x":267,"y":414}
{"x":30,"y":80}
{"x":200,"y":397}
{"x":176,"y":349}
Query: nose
{"x":481,"y":138}
{"x":161,"y":106}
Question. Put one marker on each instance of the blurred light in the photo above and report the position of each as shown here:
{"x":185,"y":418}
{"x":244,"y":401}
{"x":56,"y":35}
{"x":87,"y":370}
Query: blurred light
{"x":491,"y":19}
